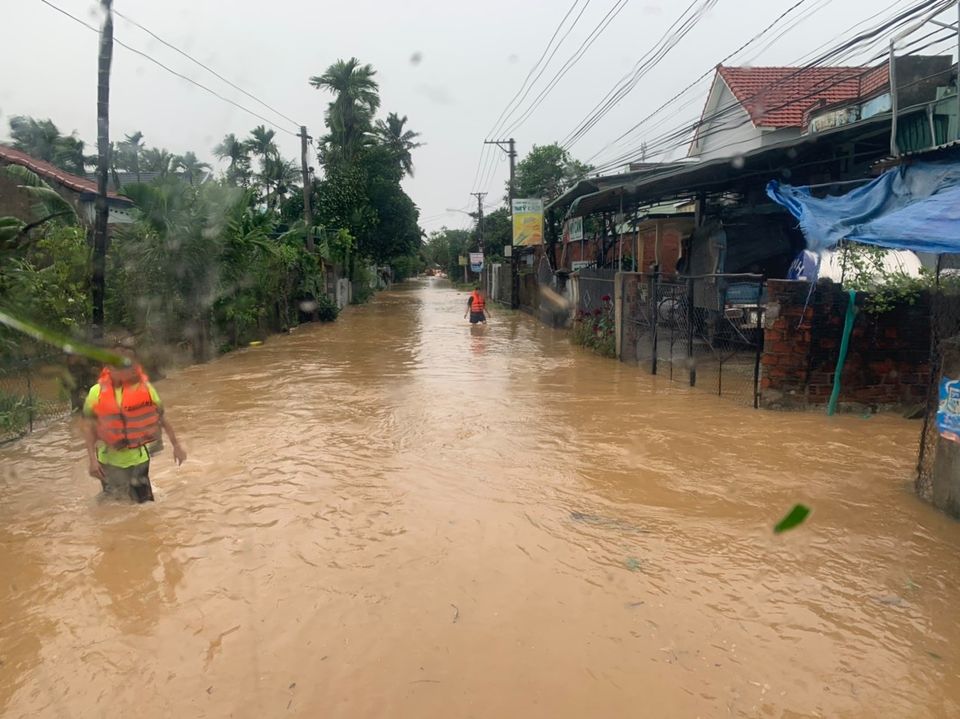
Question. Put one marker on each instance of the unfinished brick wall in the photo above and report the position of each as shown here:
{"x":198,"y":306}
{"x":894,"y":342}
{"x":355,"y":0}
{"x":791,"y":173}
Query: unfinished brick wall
{"x":888,"y":363}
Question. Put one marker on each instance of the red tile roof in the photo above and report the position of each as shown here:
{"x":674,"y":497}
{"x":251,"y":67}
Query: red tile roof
{"x":782,"y":96}
{"x":53,"y":173}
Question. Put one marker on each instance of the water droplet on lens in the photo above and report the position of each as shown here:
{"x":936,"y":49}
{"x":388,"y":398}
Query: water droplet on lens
{"x":308,"y":306}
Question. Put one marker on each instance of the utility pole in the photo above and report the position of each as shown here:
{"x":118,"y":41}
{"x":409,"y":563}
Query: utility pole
{"x":104,"y":60}
{"x":305,"y":169}
{"x":479,"y":196}
{"x":511,"y":150}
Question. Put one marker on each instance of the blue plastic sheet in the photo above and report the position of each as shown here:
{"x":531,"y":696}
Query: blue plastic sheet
{"x":914,"y":207}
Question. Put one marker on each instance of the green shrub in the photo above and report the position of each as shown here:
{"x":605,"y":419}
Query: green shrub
{"x":596,"y":330}
{"x":327,"y":309}
{"x":14,"y":414}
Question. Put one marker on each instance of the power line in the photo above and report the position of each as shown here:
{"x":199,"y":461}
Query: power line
{"x":585,"y":45}
{"x":205,"y":67}
{"x":702,"y":77}
{"x":485,"y":152}
{"x":868,"y":38}
{"x":673,"y":35}
{"x":570,"y":63}
{"x":702,"y":120}
{"x":170,"y":70}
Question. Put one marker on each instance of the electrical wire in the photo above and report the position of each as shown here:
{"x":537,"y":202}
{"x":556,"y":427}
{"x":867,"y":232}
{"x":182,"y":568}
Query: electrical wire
{"x":585,"y":45}
{"x":706,"y":74}
{"x":598,"y":30}
{"x":668,"y":141}
{"x":170,"y":70}
{"x":735,"y":105}
{"x":485,"y":151}
{"x":205,"y":67}
{"x":671,"y":37}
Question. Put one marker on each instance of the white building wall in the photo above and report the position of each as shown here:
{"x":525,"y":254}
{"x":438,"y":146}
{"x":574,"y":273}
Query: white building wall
{"x":727,"y":136}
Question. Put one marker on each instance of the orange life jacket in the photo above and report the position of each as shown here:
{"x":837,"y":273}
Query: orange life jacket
{"x":135,"y":422}
{"x":476,"y":304}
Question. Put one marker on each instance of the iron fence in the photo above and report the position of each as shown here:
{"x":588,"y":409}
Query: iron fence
{"x":704,"y":331}
{"x":33,"y":391}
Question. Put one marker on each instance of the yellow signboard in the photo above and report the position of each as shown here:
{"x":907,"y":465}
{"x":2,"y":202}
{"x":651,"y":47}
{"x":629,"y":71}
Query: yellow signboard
{"x":527,"y":222}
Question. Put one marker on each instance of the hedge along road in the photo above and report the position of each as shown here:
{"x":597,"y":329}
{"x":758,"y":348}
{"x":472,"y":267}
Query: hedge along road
{"x":395,"y":516}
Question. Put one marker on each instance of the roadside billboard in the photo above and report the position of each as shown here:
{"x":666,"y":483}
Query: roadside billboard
{"x":527,"y":222}
{"x":575,"y":229}
{"x":476,"y":261}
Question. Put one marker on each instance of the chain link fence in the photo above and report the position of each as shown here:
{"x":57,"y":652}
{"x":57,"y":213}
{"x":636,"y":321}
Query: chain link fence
{"x":703,"y":331}
{"x":34,"y":390}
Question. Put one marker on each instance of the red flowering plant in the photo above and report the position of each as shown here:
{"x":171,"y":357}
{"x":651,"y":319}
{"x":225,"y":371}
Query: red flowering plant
{"x":596,"y":329}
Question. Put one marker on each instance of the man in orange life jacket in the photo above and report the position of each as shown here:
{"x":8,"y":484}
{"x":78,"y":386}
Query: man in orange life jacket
{"x":124,"y":417}
{"x":476,"y":307}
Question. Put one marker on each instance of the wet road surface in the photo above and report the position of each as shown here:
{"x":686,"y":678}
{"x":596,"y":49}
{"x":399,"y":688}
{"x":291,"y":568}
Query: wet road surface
{"x":393,"y":516}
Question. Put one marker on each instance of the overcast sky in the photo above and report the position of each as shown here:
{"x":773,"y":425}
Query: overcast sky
{"x":450,"y":66}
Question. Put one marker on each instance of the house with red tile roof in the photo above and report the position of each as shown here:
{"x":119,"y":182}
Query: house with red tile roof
{"x":750,"y":107}
{"x":78,"y":191}
{"x":753,"y":107}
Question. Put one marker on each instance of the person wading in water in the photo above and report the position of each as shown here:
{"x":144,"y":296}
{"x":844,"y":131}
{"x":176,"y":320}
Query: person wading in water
{"x":123,"y":418}
{"x":476,"y":307}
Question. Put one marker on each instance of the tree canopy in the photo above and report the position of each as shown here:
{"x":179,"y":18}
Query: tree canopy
{"x":547,"y":172}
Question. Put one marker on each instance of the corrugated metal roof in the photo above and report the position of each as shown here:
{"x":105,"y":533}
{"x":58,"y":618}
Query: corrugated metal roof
{"x":53,"y":173}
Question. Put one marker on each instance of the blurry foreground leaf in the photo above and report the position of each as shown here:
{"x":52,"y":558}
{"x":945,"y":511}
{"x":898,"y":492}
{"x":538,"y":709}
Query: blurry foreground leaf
{"x":795,"y":517}
{"x":65,"y":343}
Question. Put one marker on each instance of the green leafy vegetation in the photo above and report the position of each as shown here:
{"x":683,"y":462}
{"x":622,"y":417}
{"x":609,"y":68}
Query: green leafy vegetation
{"x":214,"y":262}
{"x":793,"y":519}
{"x":596,"y":330}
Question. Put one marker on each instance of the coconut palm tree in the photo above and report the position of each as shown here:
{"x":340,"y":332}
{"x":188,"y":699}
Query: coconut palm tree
{"x":154,"y":159}
{"x":261,"y":142}
{"x":356,"y":99}
{"x":232,"y":149}
{"x":399,"y":141}
{"x":277,"y":176}
{"x":132,"y":146}
{"x":191,"y":166}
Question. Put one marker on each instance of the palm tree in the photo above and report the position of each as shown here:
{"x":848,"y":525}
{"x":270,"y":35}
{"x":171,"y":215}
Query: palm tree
{"x":399,"y":141}
{"x":132,"y":147}
{"x":261,"y":142}
{"x":156,"y":160}
{"x":191,"y":165}
{"x":41,"y":139}
{"x":357,"y":98}
{"x":232,"y":149}
{"x":277,"y":175}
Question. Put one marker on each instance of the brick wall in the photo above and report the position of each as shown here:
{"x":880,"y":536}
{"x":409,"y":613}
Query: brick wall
{"x":888,"y":363}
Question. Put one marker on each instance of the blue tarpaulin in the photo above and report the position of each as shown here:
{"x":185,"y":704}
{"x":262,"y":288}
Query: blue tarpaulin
{"x":914,"y":207}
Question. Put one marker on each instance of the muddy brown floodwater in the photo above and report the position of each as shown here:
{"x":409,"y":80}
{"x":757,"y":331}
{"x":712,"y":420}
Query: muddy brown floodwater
{"x":394,"y":517}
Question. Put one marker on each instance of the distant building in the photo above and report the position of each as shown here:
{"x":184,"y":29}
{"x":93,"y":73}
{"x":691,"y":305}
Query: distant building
{"x":78,"y":191}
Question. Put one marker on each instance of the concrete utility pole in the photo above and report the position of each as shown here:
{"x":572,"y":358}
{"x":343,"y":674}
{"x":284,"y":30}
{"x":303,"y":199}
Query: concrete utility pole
{"x":104,"y":60}
{"x":479,"y":196}
{"x":305,"y":169}
{"x":511,"y":150}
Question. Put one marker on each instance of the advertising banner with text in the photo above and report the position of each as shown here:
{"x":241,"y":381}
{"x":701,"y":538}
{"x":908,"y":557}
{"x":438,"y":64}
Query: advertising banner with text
{"x":527,"y":222}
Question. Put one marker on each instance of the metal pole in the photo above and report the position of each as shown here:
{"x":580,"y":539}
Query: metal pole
{"x":894,"y":146}
{"x":652,"y":298}
{"x":958,"y":70}
{"x":759,"y":342}
{"x":691,"y":316}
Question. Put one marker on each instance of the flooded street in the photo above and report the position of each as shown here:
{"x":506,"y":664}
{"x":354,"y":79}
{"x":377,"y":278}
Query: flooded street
{"x":391,"y":516}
